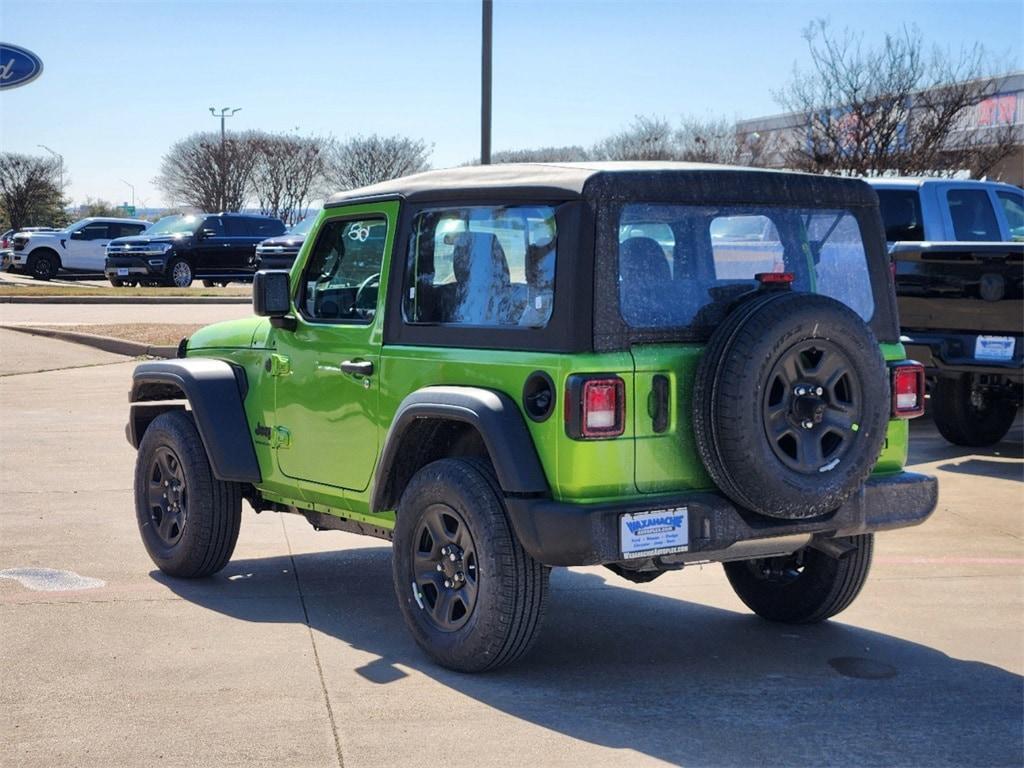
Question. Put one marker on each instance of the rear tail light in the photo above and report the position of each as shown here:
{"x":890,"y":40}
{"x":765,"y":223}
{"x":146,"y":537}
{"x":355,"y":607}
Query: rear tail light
{"x":908,"y":386}
{"x":775,"y":278}
{"x":595,"y":407}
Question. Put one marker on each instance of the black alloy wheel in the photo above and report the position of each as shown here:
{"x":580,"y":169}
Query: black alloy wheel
{"x":812,"y":406}
{"x":445,"y":567}
{"x":168,"y":496}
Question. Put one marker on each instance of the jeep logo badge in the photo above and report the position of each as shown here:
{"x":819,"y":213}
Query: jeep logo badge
{"x":18,"y":66}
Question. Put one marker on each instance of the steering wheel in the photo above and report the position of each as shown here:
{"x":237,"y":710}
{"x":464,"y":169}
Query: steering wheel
{"x":363,"y":286}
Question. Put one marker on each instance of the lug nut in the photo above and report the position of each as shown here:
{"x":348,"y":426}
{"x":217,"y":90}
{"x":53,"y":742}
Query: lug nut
{"x":459,"y":576}
{"x":440,"y":567}
{"x":452,"y":557}
{"x":448,"y":583}
{"x":819,"y":391}
{"x":808,"y":424}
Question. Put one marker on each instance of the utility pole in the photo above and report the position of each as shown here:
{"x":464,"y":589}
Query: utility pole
{"x":224,"y":113}
{"x":60,"y":165}
{"x":485,"y":83}
{"x":132,"y":187}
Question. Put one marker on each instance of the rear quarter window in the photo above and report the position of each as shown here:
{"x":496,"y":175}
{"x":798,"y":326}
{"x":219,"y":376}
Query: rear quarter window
{"x":484,"y":266}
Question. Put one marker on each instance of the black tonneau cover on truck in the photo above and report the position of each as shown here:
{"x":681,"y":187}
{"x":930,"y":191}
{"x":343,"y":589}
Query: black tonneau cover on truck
{"x":960,"y":286}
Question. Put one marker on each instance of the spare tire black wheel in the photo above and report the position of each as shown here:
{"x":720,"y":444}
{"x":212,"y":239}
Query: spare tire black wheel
{"x":791,"y":404}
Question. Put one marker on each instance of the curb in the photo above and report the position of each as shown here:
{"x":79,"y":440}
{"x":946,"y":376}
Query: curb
{"x":107,"y":344}
{"x":125,"y":300}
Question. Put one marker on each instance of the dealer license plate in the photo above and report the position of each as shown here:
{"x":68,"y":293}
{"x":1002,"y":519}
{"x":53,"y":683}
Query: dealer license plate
{"x":661,"y":532}
{"x":994,"y":348}
{"x":122,"y":272}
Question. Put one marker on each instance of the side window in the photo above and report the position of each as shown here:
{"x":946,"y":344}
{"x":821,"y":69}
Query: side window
{"x":236,"y":227}
{"x":972,"y":214}
{"x":901,"y":215}
{"x":125,"y":230}
{"x":482,"y":266}
{"x":265,"y":227}
{"x":343,"y":275}
{"x":215,"y":225}
{"x":1013,"y":209}
{"x":96,"y":231}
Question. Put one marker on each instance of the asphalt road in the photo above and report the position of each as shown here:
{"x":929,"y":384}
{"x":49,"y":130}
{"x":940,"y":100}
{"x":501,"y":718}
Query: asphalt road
{"x":295,"y":655}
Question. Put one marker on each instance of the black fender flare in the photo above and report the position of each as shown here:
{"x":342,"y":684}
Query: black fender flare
{"x":492,"y":413}
{"x":215,"y":391}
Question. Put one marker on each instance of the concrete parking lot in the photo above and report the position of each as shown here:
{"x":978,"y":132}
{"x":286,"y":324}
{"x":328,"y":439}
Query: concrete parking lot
{"x":295,"y":655}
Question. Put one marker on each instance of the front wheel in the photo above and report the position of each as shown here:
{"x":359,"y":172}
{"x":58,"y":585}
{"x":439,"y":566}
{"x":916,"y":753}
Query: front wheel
{"x":188,"y":519}
{"x":44,"y":266}
{"x":116,"y":283}
{"x":803,"y":588}
{"x":967,"y":415}
{"x":469,"y":593}
{"x":180,"y":272}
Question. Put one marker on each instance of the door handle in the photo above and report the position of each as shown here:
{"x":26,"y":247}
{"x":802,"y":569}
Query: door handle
{"x":357,"y":367}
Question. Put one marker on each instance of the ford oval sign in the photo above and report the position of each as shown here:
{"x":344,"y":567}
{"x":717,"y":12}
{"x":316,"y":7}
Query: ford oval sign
{"x":18,"y":66}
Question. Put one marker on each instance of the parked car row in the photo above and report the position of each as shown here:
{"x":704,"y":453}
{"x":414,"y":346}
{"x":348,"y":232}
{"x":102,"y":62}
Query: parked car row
{"x":175,"y":251}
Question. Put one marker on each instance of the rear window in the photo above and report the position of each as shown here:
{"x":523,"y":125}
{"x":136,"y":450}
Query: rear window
{"x":901,"y":214}
{"x":482,"y":266}
{"x":972,"y":214}
{"x":681,"y":266}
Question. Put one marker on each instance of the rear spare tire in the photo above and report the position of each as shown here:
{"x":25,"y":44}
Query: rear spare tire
{"x":791,"y":404}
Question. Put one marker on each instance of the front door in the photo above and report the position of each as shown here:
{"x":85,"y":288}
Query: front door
{"x":213,"y":247}
{"x":326,"y":407}
{"x":87,"y":247}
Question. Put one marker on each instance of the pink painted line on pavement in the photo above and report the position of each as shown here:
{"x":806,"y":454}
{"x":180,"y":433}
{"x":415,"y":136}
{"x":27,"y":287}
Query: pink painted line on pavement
{"x":950,"y":560}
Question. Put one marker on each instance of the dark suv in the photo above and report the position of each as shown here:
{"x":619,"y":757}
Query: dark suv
{"x":279,"y":252}
{"x":213,"y":247}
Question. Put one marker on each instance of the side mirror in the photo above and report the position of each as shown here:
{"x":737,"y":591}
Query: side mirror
{"x":78,"y":235}
{"x":271,"y":294}
{"x":205,"y":233}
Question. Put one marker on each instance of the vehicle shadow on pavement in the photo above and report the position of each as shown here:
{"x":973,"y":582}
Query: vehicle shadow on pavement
{"x":627,"y":669}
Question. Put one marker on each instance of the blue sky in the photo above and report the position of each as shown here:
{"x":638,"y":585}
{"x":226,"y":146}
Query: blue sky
{"x":123,"y":81}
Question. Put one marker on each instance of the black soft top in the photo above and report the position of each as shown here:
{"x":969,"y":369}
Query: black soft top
{"x":636,"y":180}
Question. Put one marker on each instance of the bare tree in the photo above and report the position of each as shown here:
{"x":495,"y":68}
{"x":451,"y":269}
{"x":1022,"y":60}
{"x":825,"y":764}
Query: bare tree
{"x":287,"y":173}
{"x":569,"y":154}
{"x":895,"y":108}
{"x":365,"y":160}
{"x":207,"y":172}
{"x":708,"y":141}
{"x":647,"y":138}
{"x":98,"y":207}
{"x":30,"y":193}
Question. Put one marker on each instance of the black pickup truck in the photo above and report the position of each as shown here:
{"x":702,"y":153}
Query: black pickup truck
{"x":961,"y":314}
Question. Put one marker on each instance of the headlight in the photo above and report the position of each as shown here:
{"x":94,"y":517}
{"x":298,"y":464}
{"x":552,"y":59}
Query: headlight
{"x":161,"y":247}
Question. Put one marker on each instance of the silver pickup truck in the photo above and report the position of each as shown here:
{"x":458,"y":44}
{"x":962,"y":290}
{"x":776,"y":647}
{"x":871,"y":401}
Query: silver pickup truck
{"x":959,"y":278}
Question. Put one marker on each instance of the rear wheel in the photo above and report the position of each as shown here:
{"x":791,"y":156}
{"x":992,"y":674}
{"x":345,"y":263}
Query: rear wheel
{"x":208,"y":283}
{"x":117,"y":283}
{"x":806,"y":587}
{"x":188,"y":519}
{"x":469,"y":593}
{"x":967,"y":415}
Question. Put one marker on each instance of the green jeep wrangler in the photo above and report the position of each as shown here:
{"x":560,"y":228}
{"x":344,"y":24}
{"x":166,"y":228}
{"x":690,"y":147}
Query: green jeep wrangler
{"x":502,"y":369}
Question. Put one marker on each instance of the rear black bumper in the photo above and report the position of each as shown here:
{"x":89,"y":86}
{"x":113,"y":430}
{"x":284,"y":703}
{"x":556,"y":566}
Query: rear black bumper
{"x":953,"y":354}
{"x":561,"y":534}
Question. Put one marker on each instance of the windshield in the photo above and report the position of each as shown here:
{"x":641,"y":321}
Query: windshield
{"x":683,"y":265}
{"x":175,"y":225}
{"x":303,"y":227}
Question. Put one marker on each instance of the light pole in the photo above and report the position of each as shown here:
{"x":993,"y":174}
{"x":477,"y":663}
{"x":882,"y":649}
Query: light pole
{"x":132,"y":187}
{"x":60,"y":165}
{"x":224,"y":113}
{"x":485,"y":83}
